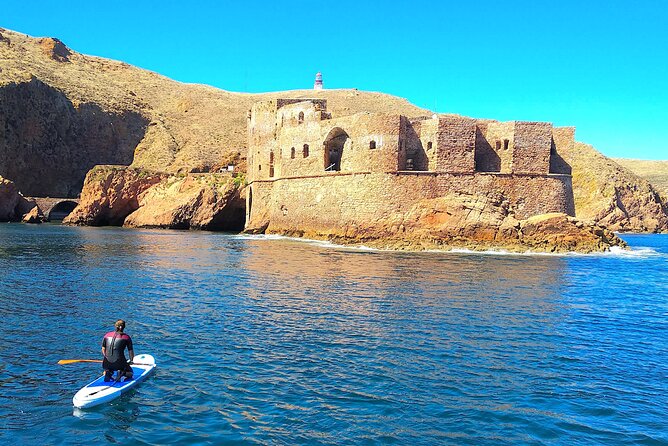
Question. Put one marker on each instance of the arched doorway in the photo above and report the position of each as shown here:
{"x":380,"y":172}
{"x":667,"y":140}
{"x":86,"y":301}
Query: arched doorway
{"x":334,"y":143}
{"x":61,"y":210}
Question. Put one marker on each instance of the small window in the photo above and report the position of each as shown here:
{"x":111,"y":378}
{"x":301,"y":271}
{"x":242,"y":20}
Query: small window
{"x":259,"y":167}
{"x":305,"y":150}
{"x":505,"y":144}
{"x":292,"y":153}
{"x":372,"y":145}
{"x":429,"y":145}
{"x":301,"y":117}
{"x":498,"y":145}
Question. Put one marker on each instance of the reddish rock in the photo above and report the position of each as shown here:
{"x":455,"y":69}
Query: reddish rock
{"x":110,"y":194}
{"x":55,"y":49}
{"x":206,"y":201}
{"x":476,"y":223}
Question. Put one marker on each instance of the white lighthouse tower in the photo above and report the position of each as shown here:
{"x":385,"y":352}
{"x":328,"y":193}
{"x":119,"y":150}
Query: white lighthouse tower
{"x":317,"y":85}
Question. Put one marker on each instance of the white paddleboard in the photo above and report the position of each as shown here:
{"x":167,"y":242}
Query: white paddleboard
{"x":99,"y":391}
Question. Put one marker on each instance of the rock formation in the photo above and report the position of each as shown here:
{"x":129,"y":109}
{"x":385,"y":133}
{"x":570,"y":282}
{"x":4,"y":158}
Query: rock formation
{"x":472,"y":221}
{"x":9,"y":199}
{"x":110,"y":194}
{"x":13,"y":205}
{"x":613,"y":196}
{"x":33,"y":216}
{"x":656,"y":172}
{"x":208,"y":202}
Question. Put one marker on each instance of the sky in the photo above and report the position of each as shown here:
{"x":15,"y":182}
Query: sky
{"x":601,"y":66}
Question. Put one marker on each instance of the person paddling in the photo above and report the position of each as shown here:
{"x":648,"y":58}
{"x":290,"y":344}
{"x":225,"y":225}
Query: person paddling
{"x":114,"y":344}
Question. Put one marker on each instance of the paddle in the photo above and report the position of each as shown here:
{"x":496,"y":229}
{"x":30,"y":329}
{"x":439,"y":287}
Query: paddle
{"x":72,"y":361}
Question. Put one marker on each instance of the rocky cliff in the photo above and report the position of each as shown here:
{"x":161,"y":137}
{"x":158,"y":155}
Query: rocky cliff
{"x":655,"y":172}
{"x":62,"y":112}
{"x":612,"y":195}
{"x":140,"y":198}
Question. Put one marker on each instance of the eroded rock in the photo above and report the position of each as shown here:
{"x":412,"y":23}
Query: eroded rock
{"x":9,"y":199}
{"x":206,"y":201}
{"x":110,"y":194}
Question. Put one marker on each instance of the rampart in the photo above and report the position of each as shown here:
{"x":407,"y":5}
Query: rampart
{"x":310,"y":170}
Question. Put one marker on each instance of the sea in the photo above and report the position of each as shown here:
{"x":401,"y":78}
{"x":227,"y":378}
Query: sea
{"x":266,"y":340}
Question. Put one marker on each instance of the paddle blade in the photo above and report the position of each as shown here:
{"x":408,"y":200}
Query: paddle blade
{"x":72,"y":361}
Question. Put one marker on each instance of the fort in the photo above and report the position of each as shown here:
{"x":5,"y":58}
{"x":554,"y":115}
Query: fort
{"x":312,"y":173}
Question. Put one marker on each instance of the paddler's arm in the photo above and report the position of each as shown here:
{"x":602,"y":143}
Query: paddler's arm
{"x":104,"y":352}
{"x":131,"y":353}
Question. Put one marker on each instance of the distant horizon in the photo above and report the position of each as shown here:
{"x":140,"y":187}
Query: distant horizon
{"x":600,"y":67}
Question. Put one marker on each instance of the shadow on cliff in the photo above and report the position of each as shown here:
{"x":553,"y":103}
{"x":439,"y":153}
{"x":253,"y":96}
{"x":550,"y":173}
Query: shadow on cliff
{"x":47,"y":144}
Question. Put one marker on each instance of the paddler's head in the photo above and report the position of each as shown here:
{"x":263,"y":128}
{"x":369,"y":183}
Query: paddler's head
{"x":120,"y":325}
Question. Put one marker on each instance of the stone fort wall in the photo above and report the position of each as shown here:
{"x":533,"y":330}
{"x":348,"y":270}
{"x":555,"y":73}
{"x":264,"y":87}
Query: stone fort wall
{"x":309,"y":170}
{"x":331,"y":204}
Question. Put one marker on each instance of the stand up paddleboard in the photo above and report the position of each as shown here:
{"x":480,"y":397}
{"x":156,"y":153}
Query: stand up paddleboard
{"x":101,"y":391}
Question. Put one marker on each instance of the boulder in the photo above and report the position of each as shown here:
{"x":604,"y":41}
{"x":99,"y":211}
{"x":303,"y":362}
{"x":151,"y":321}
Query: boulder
{"x":33,"y":216}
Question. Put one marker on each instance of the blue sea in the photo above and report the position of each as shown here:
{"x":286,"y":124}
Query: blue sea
{"x":267,"y":340}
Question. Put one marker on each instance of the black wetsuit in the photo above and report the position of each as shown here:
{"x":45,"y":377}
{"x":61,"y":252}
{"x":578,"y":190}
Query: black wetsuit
{"x":115,"y":344}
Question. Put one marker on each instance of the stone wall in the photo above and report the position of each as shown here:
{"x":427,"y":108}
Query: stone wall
{"x":330,"y":204}
{"x":455,"y":151}
{"x":563,"y":141}
{"x":494,"y":146}
{"x":531,"y":151}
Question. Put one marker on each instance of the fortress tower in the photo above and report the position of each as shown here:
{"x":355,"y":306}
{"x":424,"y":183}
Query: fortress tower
{"x":317,"y":85}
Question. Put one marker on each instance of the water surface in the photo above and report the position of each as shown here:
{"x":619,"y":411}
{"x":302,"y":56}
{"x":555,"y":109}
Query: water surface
{"x":274,"y":341}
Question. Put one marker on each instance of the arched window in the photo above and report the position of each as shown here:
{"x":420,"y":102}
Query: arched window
{"x":305,"y":150}
{"x":372,"y":144}
{"x":498,"y":145}
{"x":301,"y":117}
{"x":505,"y":144}
{"x":292,"y":153}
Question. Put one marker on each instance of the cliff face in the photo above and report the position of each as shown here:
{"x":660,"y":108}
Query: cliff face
{"x":48,"y":143}
{"x":209,"y":202}
{"x":613,"y":196}
{"x":110,"y":194}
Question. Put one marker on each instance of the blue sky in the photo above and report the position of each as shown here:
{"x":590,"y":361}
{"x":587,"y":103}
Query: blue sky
{"x":601,"y":66}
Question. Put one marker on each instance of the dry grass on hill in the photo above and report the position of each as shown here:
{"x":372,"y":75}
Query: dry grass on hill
{"x":656,"y":172}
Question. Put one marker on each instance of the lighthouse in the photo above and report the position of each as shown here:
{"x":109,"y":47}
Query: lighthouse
{"x":317,"y":85}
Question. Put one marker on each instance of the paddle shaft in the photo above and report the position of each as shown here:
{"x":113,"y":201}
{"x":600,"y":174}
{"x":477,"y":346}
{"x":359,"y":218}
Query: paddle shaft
{"x":72,"y":361}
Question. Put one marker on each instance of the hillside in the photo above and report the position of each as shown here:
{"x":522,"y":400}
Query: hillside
{"x":61,"y":113}
{"x":90,"y":110}
{"x":656,"y":172}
